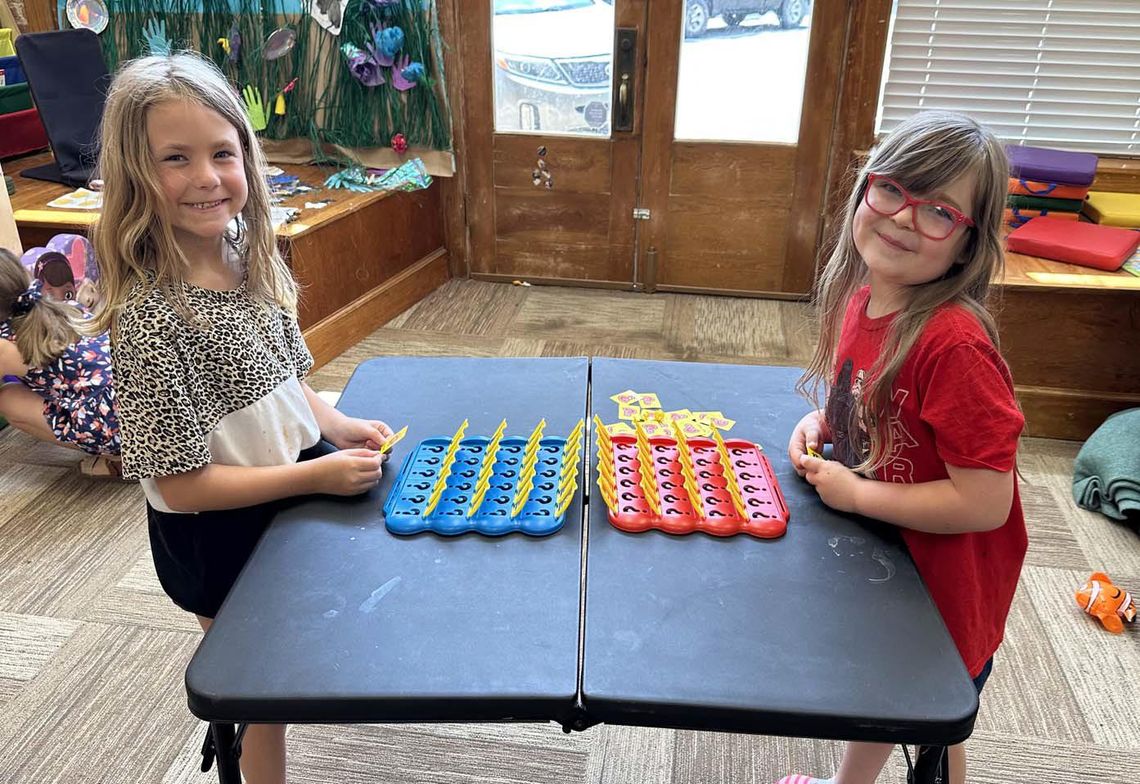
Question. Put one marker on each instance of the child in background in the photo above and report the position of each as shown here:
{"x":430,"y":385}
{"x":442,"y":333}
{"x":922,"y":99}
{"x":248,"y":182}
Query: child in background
{"x":56,"y":384}
{"x":920,"y":410}
{"x":209,"y":359}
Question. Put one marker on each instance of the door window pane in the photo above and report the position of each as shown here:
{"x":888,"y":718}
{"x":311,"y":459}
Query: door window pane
{"x":552,"y":62}
{"x":741,"y":76}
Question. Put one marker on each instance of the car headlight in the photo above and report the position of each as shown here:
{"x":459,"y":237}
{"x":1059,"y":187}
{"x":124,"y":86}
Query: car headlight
{"x":538,"y":68}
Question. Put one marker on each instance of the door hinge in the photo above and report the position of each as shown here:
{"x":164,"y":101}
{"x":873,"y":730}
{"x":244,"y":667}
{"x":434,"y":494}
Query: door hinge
{"x":641,"y":213}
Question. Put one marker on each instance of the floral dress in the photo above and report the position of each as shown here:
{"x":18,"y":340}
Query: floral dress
{"x":79,"y":399}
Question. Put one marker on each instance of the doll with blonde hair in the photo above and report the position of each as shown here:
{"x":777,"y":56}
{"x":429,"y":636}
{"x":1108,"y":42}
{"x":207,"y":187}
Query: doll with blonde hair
{"x":217,"y":421}
{"x":920,"y":410}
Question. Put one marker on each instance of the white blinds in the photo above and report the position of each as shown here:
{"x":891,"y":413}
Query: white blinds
{"x":1052,"y":73}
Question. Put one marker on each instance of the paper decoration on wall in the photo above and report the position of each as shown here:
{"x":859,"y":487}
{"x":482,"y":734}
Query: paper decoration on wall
{"x":279,"y":106}
{"x":388,"y":42}
{"x":328,"y":13}
{"x":88,"y":15}
{"x":279,"y":43}
{"x":254,"y":107}
{"x":406,"y":74}
{"x":362,"y":65}
{"x":154,"y":33}
{"x":231,"y":44}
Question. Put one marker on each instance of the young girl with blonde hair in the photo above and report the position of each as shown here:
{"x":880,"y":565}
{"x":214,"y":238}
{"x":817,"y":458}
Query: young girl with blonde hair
{"x":216,"y":418}
{"x":57,"y":384}
{"x":920,"y":411}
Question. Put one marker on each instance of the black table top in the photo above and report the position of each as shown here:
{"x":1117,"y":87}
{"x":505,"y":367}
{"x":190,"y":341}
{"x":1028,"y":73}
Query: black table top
{"x":826,"y":632}
{"x":336,"y":620}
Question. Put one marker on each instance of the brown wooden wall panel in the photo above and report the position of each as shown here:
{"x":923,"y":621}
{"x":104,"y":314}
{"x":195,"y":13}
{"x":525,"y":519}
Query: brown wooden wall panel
{"x":1058,"y":413}
{"x":1072,"y":339}
{"x":571,"y":261}
{"x":577,"y":165}
{"x":695,"y":224}
{"x":732,"y":170}
{"x":532,"y":214}
{"x":719,"y":270}
{"x":364,"y":249}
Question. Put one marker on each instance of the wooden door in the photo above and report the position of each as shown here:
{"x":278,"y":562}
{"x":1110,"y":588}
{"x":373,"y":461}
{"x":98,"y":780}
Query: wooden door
{"x":643,"y":208}
{"x":740,"y":217}
{"x":552,"y":203}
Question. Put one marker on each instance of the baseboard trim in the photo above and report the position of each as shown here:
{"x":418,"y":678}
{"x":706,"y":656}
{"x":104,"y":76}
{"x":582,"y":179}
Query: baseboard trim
{"x":333,"y":335}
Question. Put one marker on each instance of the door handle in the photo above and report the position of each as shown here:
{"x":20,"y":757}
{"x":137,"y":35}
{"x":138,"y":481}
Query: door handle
{"x":625,"y":47}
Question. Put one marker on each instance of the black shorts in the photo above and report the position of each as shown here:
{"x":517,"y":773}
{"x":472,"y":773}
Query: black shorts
{"x":199,"y":556}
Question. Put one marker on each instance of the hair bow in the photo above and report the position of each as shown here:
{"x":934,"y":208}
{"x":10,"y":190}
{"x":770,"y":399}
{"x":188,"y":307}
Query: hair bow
{"x":27,"y":299}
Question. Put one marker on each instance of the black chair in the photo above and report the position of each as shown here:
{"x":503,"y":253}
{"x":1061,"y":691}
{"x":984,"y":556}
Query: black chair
{"x":68,"y":80}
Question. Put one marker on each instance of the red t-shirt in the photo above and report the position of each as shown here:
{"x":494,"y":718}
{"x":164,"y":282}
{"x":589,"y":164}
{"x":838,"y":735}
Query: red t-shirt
{"x":953,"y":403}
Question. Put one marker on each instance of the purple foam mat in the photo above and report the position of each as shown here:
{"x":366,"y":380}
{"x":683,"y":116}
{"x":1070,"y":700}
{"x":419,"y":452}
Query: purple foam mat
{"x":1055,"y":166}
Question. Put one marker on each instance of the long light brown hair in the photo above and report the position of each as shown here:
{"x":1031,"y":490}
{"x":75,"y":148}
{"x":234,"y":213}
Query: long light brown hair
{"x":925,"y":153}
{"x":134,"y":240}
{"x":47,"y":329}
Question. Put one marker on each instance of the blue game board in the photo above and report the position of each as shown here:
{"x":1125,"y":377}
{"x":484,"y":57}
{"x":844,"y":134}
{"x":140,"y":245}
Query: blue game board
{"x":420,"y":471}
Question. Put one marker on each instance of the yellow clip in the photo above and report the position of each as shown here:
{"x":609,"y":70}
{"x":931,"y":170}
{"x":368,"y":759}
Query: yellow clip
{"x":812,"y":453}
{"x":395,"y":439}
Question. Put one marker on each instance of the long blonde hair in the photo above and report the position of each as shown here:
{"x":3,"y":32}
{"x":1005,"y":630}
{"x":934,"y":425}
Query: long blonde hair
{"x":134,"y":241}
{"x":925,"y":153}
{"x":44,"y":331}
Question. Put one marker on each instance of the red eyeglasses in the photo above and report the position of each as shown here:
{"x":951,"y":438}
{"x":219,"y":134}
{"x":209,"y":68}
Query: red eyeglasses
{"x":932,"y":219}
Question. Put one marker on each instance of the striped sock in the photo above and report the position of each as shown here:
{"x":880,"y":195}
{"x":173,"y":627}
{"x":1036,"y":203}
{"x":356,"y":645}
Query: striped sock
{"x":799,"y":778}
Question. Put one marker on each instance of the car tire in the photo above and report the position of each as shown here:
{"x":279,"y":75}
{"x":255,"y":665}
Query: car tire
{"x":733,"y":20}
{"x":792,"y":12}
{"x":696,"y":18}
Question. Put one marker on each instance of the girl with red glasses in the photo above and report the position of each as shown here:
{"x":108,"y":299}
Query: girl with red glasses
{"x":920,"y":411}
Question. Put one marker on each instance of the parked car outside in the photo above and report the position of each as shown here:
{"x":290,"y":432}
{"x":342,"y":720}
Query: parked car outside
{"x":553,"y":65}
{"x":698,"y":12}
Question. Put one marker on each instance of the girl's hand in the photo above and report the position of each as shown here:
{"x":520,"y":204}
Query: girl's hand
{"x":352,"y":433}
{"x":348,"y":472}
{"x":836,"y":484}
{"x":808,"y":433}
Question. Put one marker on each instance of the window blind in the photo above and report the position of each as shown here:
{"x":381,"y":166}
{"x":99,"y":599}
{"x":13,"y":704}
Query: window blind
{"x":1051,"y":73}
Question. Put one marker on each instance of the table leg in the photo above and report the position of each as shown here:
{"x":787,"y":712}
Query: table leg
{"x":222,"y":743}
{"x":931,"y":765}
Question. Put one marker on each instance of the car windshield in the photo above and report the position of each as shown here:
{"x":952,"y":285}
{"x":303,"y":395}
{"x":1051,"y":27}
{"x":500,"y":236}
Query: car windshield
{"x":538,"y":6}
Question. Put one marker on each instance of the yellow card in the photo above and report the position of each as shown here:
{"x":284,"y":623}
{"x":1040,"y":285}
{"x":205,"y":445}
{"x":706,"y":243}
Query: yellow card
{"x":628,"y":413}
{"x":624,"y":398}
{"x":648,"y":400}
{"x":690,"y":429}
{"x":655,"y":429}
{"x":679,"y":415}
{"x":619,"y":429}
{"x":394,"y":439}
{"x":722,"y":423}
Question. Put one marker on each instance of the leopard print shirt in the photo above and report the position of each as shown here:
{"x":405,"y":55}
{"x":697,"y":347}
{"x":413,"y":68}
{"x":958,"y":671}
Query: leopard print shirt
{"x":176,"y":383}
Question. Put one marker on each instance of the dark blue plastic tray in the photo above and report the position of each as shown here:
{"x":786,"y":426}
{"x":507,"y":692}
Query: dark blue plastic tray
{"x":406,"y":502}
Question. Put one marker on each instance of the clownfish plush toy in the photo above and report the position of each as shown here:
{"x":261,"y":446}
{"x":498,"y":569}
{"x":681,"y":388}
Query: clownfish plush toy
{"x":1103,"y":600}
